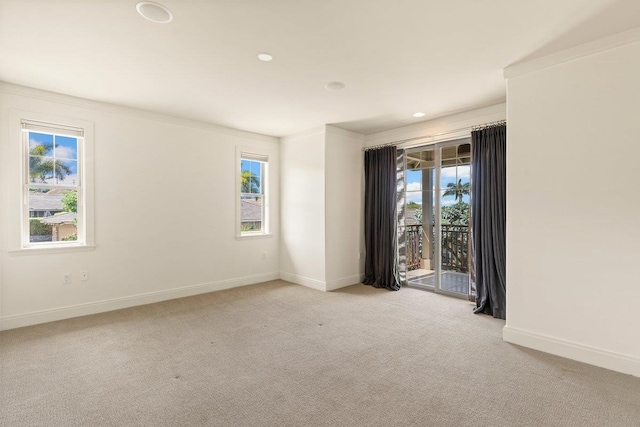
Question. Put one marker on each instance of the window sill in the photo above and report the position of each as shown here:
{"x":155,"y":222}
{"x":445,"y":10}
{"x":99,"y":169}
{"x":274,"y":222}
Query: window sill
{"x":56,"y":250}
{"x":254,"y":236}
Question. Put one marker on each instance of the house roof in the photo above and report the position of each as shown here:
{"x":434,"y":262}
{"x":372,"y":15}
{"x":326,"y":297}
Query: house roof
{"x":61,"y":218}
{"x":251,"y":210}
{"x":45,"y":202}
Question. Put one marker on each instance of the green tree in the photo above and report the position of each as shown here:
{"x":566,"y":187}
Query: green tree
{"x":70,"y":202}
{"x":249,"y":182}
{"x":42,"y":168}
{"x":458,"y":190}
{"x":456,"y":214}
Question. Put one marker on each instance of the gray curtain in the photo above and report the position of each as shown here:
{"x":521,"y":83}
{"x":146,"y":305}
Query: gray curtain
{"x":488,"y":204}
{"x":380,"y":220}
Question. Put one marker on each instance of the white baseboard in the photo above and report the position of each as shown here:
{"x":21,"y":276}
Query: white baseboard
{"x":344,"y":282}
{"x":304,"y":281}
{"x":18,"y":321}
{"x":582,"y":353}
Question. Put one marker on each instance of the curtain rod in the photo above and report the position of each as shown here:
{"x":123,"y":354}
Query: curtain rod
{"x":468,"y":128}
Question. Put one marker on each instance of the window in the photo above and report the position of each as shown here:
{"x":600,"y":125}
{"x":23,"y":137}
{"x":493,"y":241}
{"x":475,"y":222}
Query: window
{"x":253,"y":207}
{"x":53,"y":185}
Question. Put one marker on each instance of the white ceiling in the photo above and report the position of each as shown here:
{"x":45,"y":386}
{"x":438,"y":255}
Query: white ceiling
{"x":396,"y":57}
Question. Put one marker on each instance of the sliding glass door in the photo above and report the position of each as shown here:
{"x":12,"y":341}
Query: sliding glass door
{"x":437,"y":216}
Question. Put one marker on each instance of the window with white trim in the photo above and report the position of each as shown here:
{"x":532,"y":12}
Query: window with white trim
{"x":253,"y":197}
{"x":53,"y":211}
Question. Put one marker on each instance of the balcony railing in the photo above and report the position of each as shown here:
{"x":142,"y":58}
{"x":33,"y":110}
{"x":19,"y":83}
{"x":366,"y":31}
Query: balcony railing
{"x":455,"y":247}
{"x":414,"y":246}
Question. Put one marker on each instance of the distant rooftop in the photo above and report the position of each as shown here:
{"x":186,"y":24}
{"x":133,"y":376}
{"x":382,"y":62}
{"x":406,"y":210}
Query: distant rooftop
{"x":251,"y":210}
{"x":45,"y":202}
{"x":61,"y":218}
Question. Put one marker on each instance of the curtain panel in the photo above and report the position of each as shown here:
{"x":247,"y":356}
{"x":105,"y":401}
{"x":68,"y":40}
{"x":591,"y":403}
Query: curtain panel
{"x":488,"y":204}
{"x":380,"y":218}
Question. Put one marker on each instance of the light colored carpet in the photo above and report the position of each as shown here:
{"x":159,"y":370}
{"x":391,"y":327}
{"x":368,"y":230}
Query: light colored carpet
{"x":278,"y":354}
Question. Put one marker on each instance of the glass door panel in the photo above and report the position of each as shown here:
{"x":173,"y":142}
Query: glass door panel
{"x":437,"y":211}
{"x":420,"y":215}
{"x":454,"y":218}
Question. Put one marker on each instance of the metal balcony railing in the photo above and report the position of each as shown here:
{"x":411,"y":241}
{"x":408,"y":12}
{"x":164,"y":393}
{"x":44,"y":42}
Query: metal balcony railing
{"x":455,"y":247}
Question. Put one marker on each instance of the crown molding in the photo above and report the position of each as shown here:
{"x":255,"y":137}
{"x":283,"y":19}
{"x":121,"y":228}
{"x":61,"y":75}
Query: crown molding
{"x":571,"y":54}
{"x":346,"y":133}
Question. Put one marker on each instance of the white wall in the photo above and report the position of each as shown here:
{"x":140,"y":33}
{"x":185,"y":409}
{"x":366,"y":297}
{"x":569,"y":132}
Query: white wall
{"x":322,"y":208}
{"x":573,"y":215}
{"x":165,"y":214}
{"x":302,"y":252}
{"x":344,"y":207}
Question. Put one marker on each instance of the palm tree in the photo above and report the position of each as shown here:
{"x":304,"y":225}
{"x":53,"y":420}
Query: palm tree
{"x":249,"y":182}
{"x":41,"y":168}
{"x":458,"y":190}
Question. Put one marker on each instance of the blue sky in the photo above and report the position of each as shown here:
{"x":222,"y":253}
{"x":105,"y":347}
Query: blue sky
{"x":447,"y":175}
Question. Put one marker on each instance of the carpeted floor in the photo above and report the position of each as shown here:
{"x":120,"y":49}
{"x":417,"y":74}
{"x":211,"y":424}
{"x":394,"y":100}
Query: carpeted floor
{"x":278,"y":354}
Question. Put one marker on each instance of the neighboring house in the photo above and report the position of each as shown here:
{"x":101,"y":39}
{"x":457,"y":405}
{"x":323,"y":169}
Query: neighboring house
{"x":48,"y":206}
{"x":45,"y":204}
{"x":251,"y":214}
{"x":62,"y":224}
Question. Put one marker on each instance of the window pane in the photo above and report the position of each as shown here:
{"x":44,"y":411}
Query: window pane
{"x":245,"y":166}
{"x":256,"y":173}
{"x":414,"y":180}
{"x":464,"y":173}
{"x":448,"y":177}
{"x":41,"y":170}
{"x":464,"y":183}
{"x":413,"y":197}
{"x":456,"y":173}
{"x":66,"y":148}
{"x":464,"y":153}
{"x":40,"y":144}
{"x":247,"y":180}
{"x":66,"y":172}
{"x":251,"y":213}
{"x":53,"y":215}
{"x":449,"y":156}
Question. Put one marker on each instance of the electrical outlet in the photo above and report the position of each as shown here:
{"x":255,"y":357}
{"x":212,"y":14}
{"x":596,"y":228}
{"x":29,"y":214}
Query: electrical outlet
{"x":66,"y":279}
{"x":84,"y":275}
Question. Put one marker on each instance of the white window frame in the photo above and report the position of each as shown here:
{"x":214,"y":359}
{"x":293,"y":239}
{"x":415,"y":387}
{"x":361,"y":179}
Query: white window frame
{"x":244,"y":153}
{"x":20,"y":124}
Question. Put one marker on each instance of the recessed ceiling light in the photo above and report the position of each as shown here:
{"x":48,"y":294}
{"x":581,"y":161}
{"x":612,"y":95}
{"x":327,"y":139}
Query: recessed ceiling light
{"x":266,"y":57}
{"x":419,"y":114}
{"x":154,"y":12}
{"x":334,"y":86}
